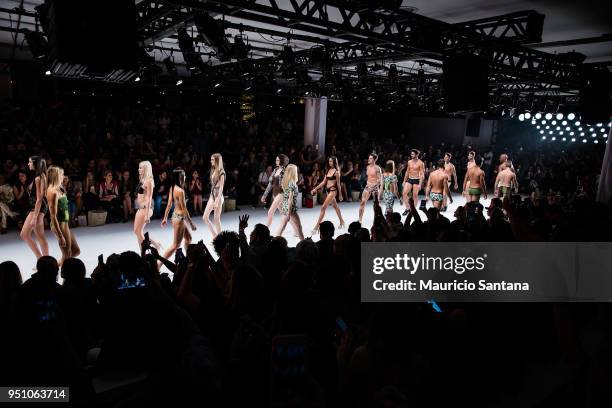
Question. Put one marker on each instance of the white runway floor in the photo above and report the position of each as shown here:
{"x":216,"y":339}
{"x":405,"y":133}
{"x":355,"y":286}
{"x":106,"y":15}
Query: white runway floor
{"x":115,"y":238}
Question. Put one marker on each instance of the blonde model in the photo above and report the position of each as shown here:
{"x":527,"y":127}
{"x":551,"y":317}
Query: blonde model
{"x":215,"y":201}
{"x":144,"y":201}
{"x":59,"y":214}
{"x":289,"y":204}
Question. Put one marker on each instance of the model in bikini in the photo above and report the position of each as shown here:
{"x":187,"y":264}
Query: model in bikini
{"x":144,"y":202}
{"x":59,"y":214}
{"x":331,"y":183}
{"x":215,"y":201}
{"x":180,"y":215}
{"x":37,"y":202}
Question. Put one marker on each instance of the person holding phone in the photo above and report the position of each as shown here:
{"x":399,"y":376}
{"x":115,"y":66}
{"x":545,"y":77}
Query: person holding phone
{"x":215,"y":201}
{"x":59,"y":214}
{"x":180,"y":215}
{"x":38,"y":207}
{"x":289,"y":204}
{"x":331,"y":183}
{"x":144,"y":201}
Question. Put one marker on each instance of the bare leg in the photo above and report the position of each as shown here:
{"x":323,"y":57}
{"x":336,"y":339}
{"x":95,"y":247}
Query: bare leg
{"x":26,"y":235}
{"x":405,"y":191}
{"x":75,"y":250}
{"x":206,"y":217}
{"x":273,"y":207}
{"x":338,"y":213}
{"x":217,"y":217}
{"x":178,"y":227}
{"x":415,"y":193}
{"x":365,"y":196}
{"x":39,"y":231}
{"x":139,"y":224}
{"x":297,"y":225}
{"x":282,"y":225}
{"x":321,"y":214}
{"x":186,"y":238}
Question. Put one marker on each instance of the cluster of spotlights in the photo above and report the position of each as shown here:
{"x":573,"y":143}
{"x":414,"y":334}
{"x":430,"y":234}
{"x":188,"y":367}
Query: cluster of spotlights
{"x":547,"y":116}
{"x":559,"y":127}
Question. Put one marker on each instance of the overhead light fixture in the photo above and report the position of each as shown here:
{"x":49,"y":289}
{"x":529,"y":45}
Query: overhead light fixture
{"x":48,"y":72}
{"x":538,"y":115}
{"x":559,"y":116}
{"x":137,"y":79}
{"x":571,"y":116}
{"x":521,"y":117}
{"x":179,"y":82}
{"x":527,"y":115}
{"x":548,"y":116}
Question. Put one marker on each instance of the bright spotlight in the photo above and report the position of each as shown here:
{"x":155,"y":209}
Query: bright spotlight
{"x":573,"y":139}
{"x":527,"y":115}
{"x":543,"y":137}
{"x":577,"y":123}
{"x":583,"y":140}
{"x":571,"y":133}
{"x":550,"y":133}
{"x":533,"y":122}
{"x":554,"y":122}
{"x":547,"y":127}
{"x":567,"y":128}
{"x":591,"y":130}
{"x":603,"y":130}
{"x":559,"y":116}
{"x":564,"y":139}
{"x":596,"y":141}
{"x":47,"y":72}
{"x":541,"y":132}
{"x":543,"y":122}
{"x":179,"y":82}
{"x":564,"y":122}
{"x":594,"y":134}
{"x":537,"y":127}
{"x":582,"y":134}
{"x":137,"y":79}
{"x":553,"y":138}
{"x":561,"y":133}
{"x":571,"y":116}
{"x":548,"y":116}
{"x":599,"y":124}
{"x":538,"y":115}
{"x":521,"y":117}
{"x":558,"y":127}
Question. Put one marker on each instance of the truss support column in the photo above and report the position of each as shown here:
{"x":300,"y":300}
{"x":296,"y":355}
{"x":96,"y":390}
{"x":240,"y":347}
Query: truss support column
{"x":315,"y":122}
{"x":604,"y":190}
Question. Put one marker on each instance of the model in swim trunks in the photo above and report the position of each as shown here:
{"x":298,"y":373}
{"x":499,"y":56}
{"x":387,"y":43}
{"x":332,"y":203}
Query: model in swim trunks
{"x":470,"y":164}
{"x":59,"y":214}
{"x":437,"y":186}
{"x":331,"y":182}
{"x":215,"y":201}
{"x":389,"y":186}
{"x":34,"y":221}
{"x":451,"y":172}
{"x":373,"y":184}
{"x":180,"y":215}
{"x":506,"y":181}
{"x":476,"y":180}
{"x":413,"y":179}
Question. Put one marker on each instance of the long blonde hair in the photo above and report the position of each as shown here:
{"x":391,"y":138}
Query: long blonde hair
{"x":147,"y":173}
{"x":290,"y":175}
{"x":55,"y":177}
{"x":217,"y":169}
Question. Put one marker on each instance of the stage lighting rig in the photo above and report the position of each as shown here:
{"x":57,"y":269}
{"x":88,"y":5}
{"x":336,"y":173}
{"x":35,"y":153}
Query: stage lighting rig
{"x":212,"y":34}
{"x":37,"y":43}
{"x":192,"y":59}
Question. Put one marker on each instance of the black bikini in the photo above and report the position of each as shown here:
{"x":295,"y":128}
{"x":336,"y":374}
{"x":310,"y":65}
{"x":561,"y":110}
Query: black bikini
{"x":332,"y":188}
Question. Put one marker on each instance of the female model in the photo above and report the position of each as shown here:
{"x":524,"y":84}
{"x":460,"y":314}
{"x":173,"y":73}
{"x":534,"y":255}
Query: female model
{"x":37,"y":208}
{"x":195,"y":189}
{"x":389,"y":186}
{"x":274,"y":186}
{"x":180,"y":213}
{"x":289,"y":204}
{"x":60,"y":215}
{"x":144,"y":201}
{"x":331,"y":182}
{"x":215,"y":201}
